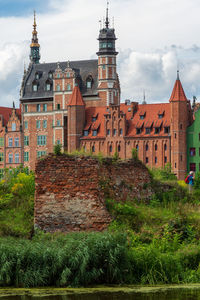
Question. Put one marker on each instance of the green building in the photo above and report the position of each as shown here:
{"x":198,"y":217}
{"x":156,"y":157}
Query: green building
{"x":193,"y":145}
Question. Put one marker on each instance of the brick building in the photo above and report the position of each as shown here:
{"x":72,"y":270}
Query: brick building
{"x":77,"y":104}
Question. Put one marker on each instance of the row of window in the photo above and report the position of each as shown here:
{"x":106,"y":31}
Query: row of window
{"x":48,"y":87}
{"x":156,"y":130}
{"x":155,"y":147}
{"x":95,"y":132}
{"x":16,"y":156}
{"x":39,"y":75}
{"x":38,"y":107}
{"x":38,"y":123}
{"x":110,"y":148}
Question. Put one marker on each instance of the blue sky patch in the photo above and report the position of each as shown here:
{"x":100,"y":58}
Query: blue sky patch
{"x":19,"y":8}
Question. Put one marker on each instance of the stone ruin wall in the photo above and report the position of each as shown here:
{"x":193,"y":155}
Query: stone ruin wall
{"x":71,"y":191}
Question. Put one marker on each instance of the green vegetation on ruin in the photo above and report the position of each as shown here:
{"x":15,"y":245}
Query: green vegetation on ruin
{"x":148,"y":242}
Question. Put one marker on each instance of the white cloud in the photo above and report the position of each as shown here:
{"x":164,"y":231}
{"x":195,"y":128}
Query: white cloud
{"x":146,"y":29}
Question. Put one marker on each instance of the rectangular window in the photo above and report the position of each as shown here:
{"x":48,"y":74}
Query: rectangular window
{"x":25,"y":108}
{"x":10,"y":158}
{"x":104,"y":67}
{"x":38,"y":124}
{"x":94,"y":132}
{"x":26,"y":124}
{"x":85,"y":132}
{"x":17,"y":158}
{"x":26,"y":156}
{"x":108,"y":131}
{"x":147,"y":160}
{"x":142,"y":117}
{"x":17,"y":142}
{"x":26,"y":140}
{"x":156,"y":160}
{"x":58,"y":106}
{"x":44,"y":107}
{"x":10,"y":142}
{"x":165,"y":159}
{"x":13,"y":126}
{"x":148,"y":130}
{"x":157,"y":130}
{"x":41,"y":153}
{"x":192,"y":151}
{"x":166,"y":129}
{"x":1,"y":142}
{"x":58,"y":123}
{"x":38,"y":108}
{"x":114,"y":132}
{"x":45,"y":124}
{"x":1,"y":156}
{"x":120,"y":131}
{"x":193,"y":167}
{"x":138,"y":130}
{"x":41,"y":140}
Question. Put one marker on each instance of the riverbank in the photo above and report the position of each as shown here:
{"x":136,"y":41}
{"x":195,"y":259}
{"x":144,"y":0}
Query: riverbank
{"x":136,"y":289}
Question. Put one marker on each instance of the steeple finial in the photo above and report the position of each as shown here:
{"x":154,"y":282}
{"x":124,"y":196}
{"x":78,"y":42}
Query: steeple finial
{"x":107,"y":19}
{"x":177,"y":74}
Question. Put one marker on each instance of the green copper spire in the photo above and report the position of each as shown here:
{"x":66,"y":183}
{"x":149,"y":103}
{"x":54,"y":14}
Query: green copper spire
{"x":35,"y":46}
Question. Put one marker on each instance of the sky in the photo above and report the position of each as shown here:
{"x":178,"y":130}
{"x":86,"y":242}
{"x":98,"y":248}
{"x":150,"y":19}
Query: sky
{"x":155,"y":38}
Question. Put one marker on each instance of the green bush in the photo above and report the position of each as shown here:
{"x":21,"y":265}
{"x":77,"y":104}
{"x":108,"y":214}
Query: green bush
{"x":57,"y":149}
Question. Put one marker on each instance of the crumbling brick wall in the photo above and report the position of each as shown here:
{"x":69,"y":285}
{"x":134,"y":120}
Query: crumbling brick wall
{"x":71,"y":190}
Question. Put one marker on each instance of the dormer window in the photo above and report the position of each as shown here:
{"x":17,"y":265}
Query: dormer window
{"x":142,"y":115}
{"x":94,"y":132}
{"x":48,"y":87}
{"x":35,"y":87}
{"x":37,"y":76}
{"x":167,"y":129}
{"x":89,"y":81}
{"x":161,"y":114}
{"x":85,"y":133}
{"x":94,"y":118}
{"x":50,"y":75}
{"x":157,"y":130}
{"x":138,"y":130}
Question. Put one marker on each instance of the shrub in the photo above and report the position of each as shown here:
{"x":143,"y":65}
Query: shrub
{"x":134,"y":153}
{"x":57,"y":149}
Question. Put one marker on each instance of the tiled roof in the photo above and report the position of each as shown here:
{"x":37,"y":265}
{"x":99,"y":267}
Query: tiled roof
{"x":76,"y":97}
{"x":133,"y":120}
{"x":6,"y":113}
{"x":178,"y":93}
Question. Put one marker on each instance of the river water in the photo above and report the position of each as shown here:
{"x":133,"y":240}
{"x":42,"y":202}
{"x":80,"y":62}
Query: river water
{"x":186,"y":294}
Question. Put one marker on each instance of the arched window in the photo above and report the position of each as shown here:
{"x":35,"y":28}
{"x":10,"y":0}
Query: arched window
{"x":156,"y":147}
{"x":147,"y":147}
{"x":110,"y":149}
{"x":165,"y":147}
{"x":93,"y":148}
{"x":119,"y":148}
{"x":137,"y":147}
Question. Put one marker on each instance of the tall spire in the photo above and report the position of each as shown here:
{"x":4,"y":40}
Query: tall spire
{"x":177,"y":74}
{"x":178,"y":93}
{"x":35,"y":46}
{"x":107,"y":19}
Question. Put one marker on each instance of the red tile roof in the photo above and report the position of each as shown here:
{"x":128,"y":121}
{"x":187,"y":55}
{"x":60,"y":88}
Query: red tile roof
{"x":6,"y":113}
{"x":133,"y":120}
{"x":178,"y":93}
{"x":76,"y":97}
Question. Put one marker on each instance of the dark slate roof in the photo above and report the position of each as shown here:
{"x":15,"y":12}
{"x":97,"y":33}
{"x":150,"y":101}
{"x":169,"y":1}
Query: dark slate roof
{"x":82,"y":69}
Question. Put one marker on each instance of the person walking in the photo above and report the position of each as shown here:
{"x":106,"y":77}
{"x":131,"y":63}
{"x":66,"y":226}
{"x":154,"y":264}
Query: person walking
{"x":191,"y":181}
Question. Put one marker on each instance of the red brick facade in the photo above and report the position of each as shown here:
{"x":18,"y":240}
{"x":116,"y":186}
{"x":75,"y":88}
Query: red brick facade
{"x":77,"y":104}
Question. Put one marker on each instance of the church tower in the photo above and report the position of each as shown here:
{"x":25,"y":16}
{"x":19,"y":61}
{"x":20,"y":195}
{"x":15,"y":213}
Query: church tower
{"x":179,"y":122}
{"x":35,"y":46}
{"x":108,"y":81}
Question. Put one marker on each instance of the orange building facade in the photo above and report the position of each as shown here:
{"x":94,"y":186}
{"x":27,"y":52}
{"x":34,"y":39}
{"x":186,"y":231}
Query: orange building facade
{"x":77,"y":104}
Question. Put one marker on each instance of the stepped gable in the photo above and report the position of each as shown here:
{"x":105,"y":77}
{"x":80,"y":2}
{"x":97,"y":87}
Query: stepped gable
{"x":82,"y":69}
{"x":178,"y":93}
{"x":76,"y":98}
{"x":152,"y":118}
{"x":6,"y":113}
